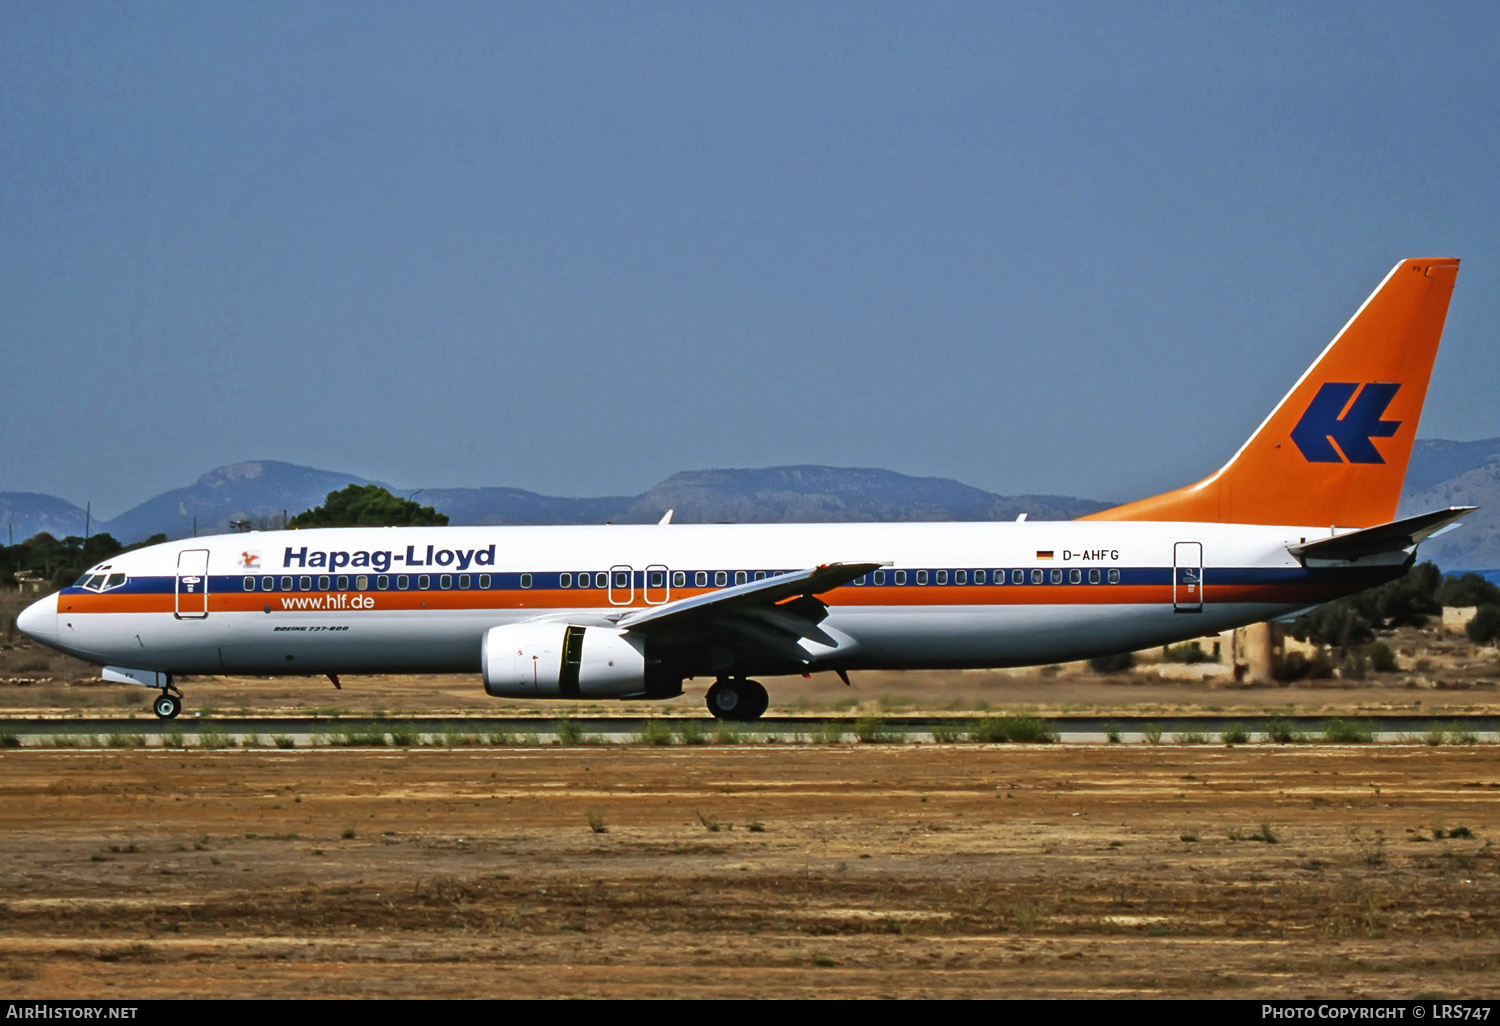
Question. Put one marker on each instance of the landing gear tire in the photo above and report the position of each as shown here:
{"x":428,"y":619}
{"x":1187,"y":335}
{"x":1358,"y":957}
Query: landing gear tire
{"x":738,"y":699}
{"x":167,"y":706}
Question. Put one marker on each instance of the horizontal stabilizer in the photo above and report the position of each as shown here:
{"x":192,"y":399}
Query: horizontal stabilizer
{"x":1384,"y":540}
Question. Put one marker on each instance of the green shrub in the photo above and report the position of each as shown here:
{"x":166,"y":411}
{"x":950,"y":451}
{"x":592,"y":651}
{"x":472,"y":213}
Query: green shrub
{"x":1352,"y":667}
{"x":1188,"y":652}
{"x":1347,"y":732}
{"x":872,"y":730}
{"x":946,"y":733}
{"x":1019,"y":728}
{"x":1283,"y":732}
{"x":1382,"y":657}
{"x":829,"y":732}
{"x":655,"y":732}
{"x":1235,"y":734}
{"x":691,"y":732}
{"x":1484,"y":628}
{"x":1117,"y":663}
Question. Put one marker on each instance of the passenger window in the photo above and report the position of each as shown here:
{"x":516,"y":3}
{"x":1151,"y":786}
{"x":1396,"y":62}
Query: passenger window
{"x":463,"y":581}
{"x":1114,"y":577}
{"x":921,"y":576}
{"x":900,"y":576}
{"x":323,"y":583}
{"x":343,"y":583}
{"x":1075,"y":576}
{"x":601,"y":579}
{"x":942,"y":577}
{"x":249,"y":584}
{"x":701,"y":578}
{"x":402,"y":581}
{"x":424,"y":581}
{"x":446,"y":581}
{"x":720,"y":578}
{"x":1018,"y":577}
{"x":304,"y":584}
{"x":860,"y":579}
{"x":525,"y":581}
{"x":1057,"y":577}
{"x":679,"y":579}
{"x":622,"y":580}
{"x":382,"y":582}
{"x":286,"y":584}
{"x":484,"y":582}
{"x":565,"y":580}
{"x":962,"y":577}
{"x":1094,"y":576}
{"x":658,"y":579}
{"x":268,"y":584}
{"x":584,"y":580}
{"x":740,"y":577}
{"x":1036,"y":577}
{"x":879,"y":576}
{"x":760,"y":575}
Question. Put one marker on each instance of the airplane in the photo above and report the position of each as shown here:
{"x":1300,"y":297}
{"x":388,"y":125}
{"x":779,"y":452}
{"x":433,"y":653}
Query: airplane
{"x":1301,"y":514}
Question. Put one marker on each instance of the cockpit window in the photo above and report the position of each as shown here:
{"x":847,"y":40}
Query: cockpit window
{"x":99,"y":582}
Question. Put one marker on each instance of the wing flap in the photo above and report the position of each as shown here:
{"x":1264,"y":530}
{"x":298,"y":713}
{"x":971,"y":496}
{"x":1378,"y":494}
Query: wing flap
{"x":760,"y":594}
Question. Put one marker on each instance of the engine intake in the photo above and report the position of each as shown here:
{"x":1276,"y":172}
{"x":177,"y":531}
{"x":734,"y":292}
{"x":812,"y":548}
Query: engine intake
{"x":559,"y":660}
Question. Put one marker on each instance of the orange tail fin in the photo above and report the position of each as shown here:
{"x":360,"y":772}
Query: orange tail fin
{"x":1334,"y":451}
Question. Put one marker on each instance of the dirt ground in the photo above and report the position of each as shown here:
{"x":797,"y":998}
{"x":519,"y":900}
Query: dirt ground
{"x":750,"y":871}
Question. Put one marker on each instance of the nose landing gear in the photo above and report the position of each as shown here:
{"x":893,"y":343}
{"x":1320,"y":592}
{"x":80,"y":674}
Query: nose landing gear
{"x":737,"y":699}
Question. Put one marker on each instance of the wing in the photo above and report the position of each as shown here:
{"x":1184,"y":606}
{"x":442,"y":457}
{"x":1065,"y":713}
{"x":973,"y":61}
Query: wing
{"x":777,"y":618}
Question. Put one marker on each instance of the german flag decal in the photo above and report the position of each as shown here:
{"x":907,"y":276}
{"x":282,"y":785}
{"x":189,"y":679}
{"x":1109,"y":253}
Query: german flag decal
{"x":1043,"y":553}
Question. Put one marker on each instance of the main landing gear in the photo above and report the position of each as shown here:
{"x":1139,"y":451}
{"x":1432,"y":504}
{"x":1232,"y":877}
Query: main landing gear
{"x":737,"y":699}
{"x":168,"y":704}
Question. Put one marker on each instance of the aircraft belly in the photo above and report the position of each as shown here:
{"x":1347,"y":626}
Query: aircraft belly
{"x":978,"y":637}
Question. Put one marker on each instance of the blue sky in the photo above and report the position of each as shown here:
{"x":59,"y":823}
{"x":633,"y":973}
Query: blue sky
{"x":1073,"y":248}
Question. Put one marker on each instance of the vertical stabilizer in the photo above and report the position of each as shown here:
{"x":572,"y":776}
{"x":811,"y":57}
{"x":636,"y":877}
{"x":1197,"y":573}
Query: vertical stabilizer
{"x":1334,"y":451}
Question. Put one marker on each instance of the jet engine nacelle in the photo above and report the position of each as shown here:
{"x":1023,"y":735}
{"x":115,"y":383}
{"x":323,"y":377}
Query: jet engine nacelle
{"x":559,"y":660}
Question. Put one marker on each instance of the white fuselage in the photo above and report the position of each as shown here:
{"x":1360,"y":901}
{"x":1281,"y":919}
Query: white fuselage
{"x":951,"y":595}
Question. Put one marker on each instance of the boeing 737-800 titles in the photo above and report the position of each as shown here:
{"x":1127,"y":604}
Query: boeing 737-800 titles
{"x":1303,"y":513}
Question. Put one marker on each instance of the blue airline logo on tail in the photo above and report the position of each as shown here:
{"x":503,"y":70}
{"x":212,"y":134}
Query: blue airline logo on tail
{"x":1352,"y":428}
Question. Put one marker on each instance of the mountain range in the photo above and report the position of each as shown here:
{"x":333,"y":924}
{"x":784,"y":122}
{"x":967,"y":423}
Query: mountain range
{"x":1442,"y":473}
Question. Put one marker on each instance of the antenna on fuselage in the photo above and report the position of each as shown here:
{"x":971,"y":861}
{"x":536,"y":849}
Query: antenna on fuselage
{"x":667,"y":519}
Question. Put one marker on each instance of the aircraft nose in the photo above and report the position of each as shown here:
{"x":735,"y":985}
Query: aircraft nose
{"x":39,"y":620}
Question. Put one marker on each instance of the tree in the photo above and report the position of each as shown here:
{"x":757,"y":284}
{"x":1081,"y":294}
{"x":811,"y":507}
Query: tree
{"x":1468,"y":590}
{"x":368,"y":506}
{"x":1353,"y":620}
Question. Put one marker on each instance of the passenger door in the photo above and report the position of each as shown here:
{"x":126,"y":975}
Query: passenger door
{"x":192,"y":584}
